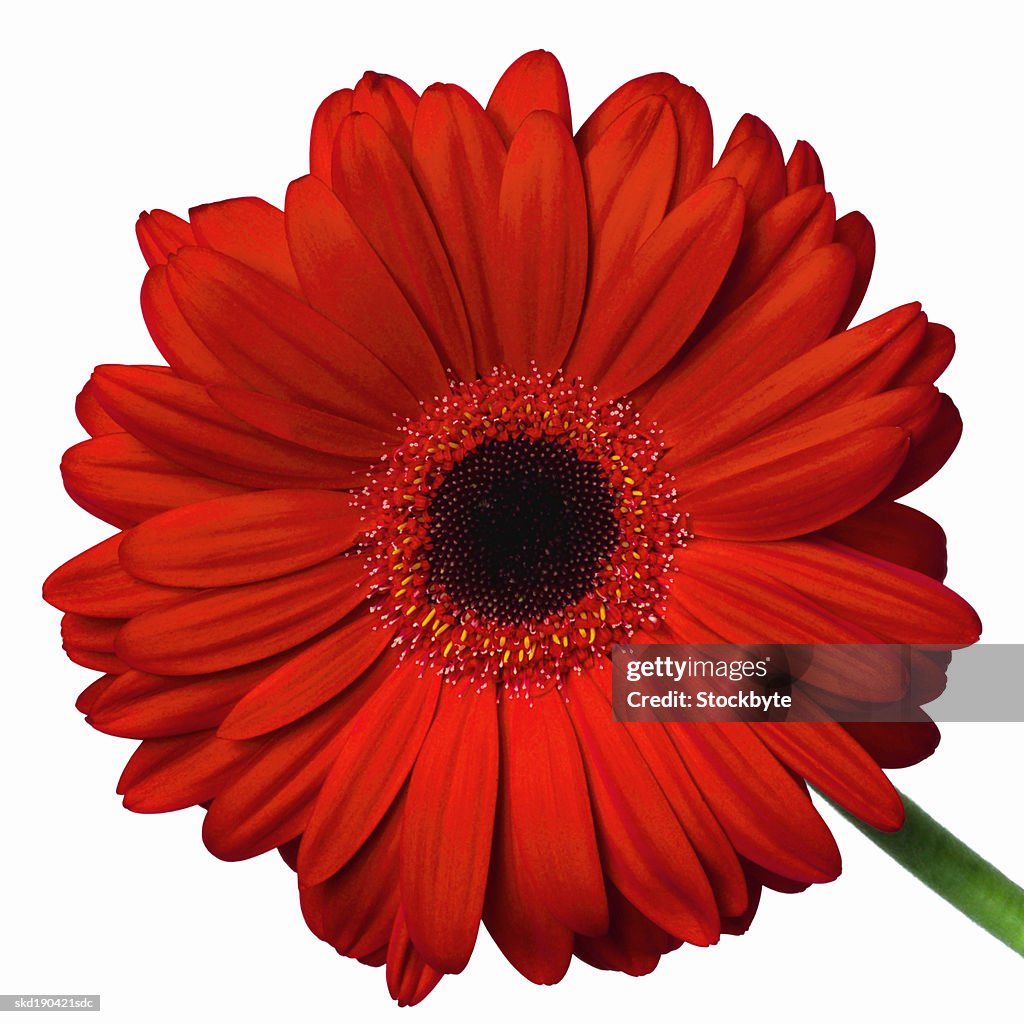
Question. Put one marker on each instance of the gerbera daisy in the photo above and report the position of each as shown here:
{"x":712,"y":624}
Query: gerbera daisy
{"x":485,"y":399}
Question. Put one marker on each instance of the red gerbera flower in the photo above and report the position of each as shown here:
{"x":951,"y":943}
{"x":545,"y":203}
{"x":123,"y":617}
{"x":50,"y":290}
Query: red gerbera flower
{"x":485,"y":399}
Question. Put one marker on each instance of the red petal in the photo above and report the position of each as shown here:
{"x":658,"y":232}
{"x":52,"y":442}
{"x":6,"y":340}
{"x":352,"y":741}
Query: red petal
{"x":754,"y":158}
{"x":160,"y":234}
{"x":716,"y":588}
{"x":895,"y":533}
{"x":326,"y":122}
{"x":354,"y":910}
{"x":541,"y":210}
{"x":930,"y":358}
{"x":221,"y":628}
{"x":850,"y":367}
{"x":826,"y":755}
{"x":740,"y":924}
{"x":534,"y":81}
{"x":185,"y":353}
{"x":930,"y":448}
{"x":303,"y":426}
{"x":695,"y":140}
{"x":391,"y":103}
{"x":693,"y":124}
{"x":380,"y":748}
{"x":252,"y":232}
{"x":907,"y":408}
{"x":312,"y":678}
{"x":449,"y":821}
{"x":88,"y":632}
{"x":373,"y":181}
{"x":657,"y":83}
{"x":410,"y":978}
{"x":855,"y":232}
{"x":517,"y":916}
{"x":279,"y":344}
{"x":98,"y":661}
{"x":896,"y":744}
{"x":767,"y":816}
{"x":782,"y":236}
{"x":629,"y":172}
{"x":289,"y":851}
{"x":457,"y":158}
{"x":897,"y":605}
{"x":790,"y":313}
{"x":747,"y":606}
{"x":635,"y":326}
{"x":171,"y":774}
{"x":634,"y":944}
{"x":91,"y":694}
{"x":180,"y":421}
{"x":124,"y":482}
{"x":803,"y":168}
{"x":532,"y":941}
{"x":91,"y":415}
{"x":793,"y":490}
{"x":545,"y":791}
{"x":645,"y":850}
{"x":710,"y":843}
{"x":242,"y":538}
{"x":346,"y":281}
{"x":270,"y":802}
{"x":762,"y":877}
{"x":144,"y":706}
{"x":93,"y":583}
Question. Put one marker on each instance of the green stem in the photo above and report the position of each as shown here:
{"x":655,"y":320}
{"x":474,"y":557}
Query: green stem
{"x":953,"y":870}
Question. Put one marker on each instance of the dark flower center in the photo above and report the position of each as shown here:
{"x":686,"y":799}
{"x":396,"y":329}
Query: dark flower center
{"x":520,"y":529}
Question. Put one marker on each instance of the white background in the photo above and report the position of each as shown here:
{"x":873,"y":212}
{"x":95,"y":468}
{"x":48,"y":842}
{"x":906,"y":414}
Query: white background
{"x":111,"y":109}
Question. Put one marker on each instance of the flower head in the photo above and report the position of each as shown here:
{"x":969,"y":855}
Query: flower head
{"x":485,"y":399}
